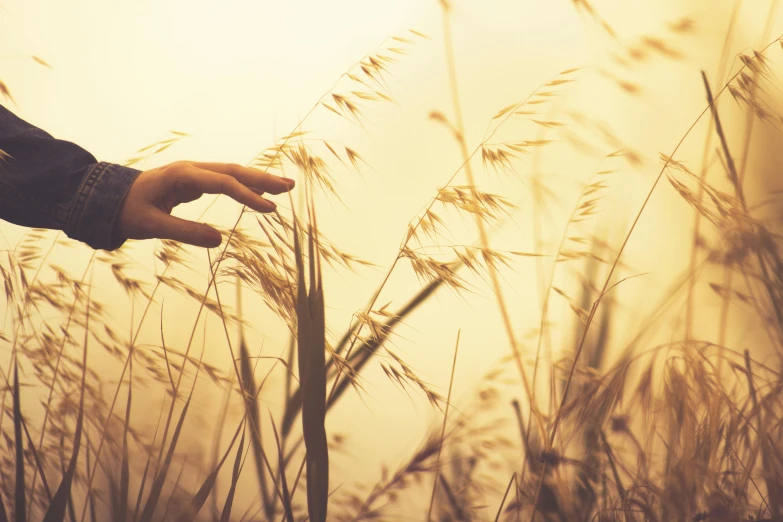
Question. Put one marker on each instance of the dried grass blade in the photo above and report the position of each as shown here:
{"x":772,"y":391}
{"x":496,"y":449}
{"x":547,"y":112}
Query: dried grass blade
{"x":774,"y":493}
{"x":166,"y":353}
{"x":251,"y":406}
{"x":38,"y":464}
{"x":174,"y":490}
{"x":443,"y":429}
{"x":20,"y":511}
{"x":122,"y":507}
{"x":312,"y":376}
{"x":226,"y":515}
{"x":610,"y":457}
{"x":505,"y":495}
{"x":90,"y":494}
{"x":198,"y":500}
{"x":157,"y":486}
{"x":291,"y":407}
{"x":287,"y":507}
{"x":145,"y":472}
{"x":62,"y":498}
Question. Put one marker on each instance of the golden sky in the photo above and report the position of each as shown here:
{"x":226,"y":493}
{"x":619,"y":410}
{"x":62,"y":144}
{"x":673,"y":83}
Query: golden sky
{"x":236,"y":74}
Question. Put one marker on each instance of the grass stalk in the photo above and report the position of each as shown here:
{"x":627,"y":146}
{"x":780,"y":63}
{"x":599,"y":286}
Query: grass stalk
{"x":443,"y":428}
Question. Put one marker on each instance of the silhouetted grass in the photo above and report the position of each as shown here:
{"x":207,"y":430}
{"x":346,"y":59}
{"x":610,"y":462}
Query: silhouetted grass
{"x":606,"y":429}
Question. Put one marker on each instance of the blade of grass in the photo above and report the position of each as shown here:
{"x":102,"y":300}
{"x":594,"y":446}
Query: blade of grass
{"x":226,"y":515}
{"x":31,"y":444}
{"x":90,"y":494}
{"x":144,"y":474}
{"x":312,"y":375}
{"x":251,"y":405}
{"x":54,"y":377}
{"x":3,"y":514}
{"x":174,"y":489}
{"x":160,"y":476}
{"x":122,"y":507}
{"x":610,"y":457}
{"x":165,"y":351}
{"x":505,"y":495}
{"x":226,"y":397}
{"x":160,"y":479}
{"x":62,"y":497}
{"x":19,"y":503}
{"x":249,"y":399}
{"x":288,"y":509}
{"x":198,"y":500}
{"x":216,"y":462}
{"x":443,"y":428}
{"x":774,"y":491}
{"x":288,"y":386}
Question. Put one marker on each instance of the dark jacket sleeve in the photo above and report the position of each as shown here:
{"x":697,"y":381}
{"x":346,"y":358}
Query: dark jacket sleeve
{"x":51,"y":183}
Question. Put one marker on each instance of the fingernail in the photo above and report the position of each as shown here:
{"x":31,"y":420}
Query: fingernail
{"x":272,"y":205}
{"x":290,"y":182}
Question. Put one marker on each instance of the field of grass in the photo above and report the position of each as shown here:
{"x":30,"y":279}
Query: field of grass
{"x":637,"y":382}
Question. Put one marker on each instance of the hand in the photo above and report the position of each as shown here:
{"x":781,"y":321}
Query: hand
{"x":146,"y":211}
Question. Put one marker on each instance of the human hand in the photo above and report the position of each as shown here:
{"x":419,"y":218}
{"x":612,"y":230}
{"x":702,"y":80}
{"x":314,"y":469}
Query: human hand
{"x":146,"y":211}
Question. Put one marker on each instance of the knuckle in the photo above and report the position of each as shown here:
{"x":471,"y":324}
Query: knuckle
{"x":175,"y":166}
{"x":227,"y":183}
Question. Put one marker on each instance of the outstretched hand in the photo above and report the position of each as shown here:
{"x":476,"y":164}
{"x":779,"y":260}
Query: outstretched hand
{"x":146,"y":211}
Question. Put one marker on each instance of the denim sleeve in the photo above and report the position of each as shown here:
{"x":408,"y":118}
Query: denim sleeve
{"x":51,"y":183}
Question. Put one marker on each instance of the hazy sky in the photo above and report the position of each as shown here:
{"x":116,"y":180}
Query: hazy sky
{"x":236,"y":74}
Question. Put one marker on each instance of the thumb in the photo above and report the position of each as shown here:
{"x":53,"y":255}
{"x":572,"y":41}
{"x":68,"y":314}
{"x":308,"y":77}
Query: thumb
{"x":190,"y":232}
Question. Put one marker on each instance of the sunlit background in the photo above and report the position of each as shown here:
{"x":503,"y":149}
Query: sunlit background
{"x":237,"y":75}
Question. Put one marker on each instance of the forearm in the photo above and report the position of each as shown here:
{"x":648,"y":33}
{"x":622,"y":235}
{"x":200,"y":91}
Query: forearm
{"x":51,"y":183}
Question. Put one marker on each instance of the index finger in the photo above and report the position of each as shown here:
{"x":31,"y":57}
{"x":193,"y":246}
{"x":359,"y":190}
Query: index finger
{"x":249,"y":177}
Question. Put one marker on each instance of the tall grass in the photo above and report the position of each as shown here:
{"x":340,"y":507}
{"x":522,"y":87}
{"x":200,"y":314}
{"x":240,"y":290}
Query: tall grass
{"x":608,"y":427}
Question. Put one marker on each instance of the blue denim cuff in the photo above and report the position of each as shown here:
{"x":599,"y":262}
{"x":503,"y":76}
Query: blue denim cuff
{"x":97,"y":203}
